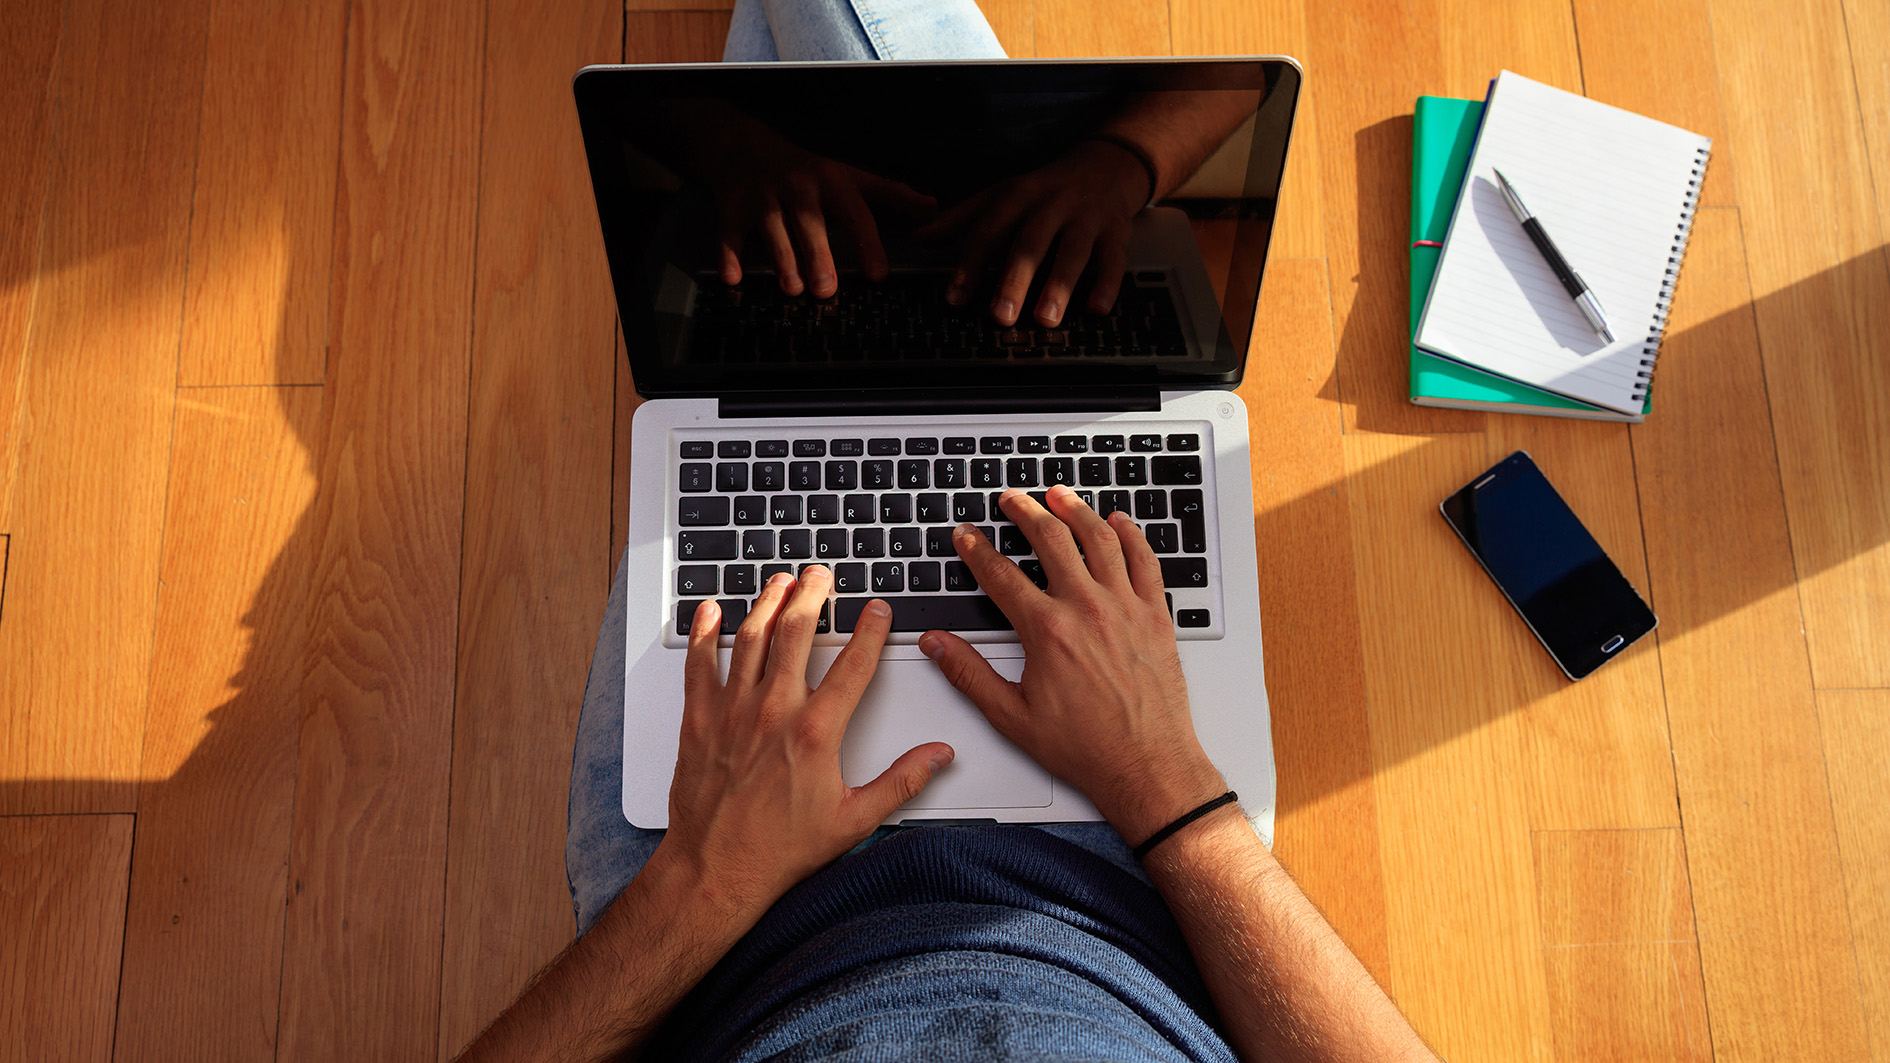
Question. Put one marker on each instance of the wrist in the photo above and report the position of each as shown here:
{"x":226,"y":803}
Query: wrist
{"x":1153,"y":799}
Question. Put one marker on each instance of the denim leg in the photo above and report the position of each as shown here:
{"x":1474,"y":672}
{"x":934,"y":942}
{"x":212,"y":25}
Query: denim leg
{"x":831,"y":30}
{"x":749,"y":39}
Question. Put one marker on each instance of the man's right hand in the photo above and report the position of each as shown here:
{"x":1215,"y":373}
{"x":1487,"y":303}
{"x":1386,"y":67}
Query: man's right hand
{"x":1102,"y":703}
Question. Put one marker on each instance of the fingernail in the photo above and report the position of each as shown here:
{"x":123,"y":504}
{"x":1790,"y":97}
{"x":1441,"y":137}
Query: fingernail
{"x":878,"y":608}
{"x":1059,"y":490}
{"x":964,"y":529}
{"x":779,"y":579}
{"x":1004,"y":309}
{"x":1050,"y":313}
{"x":931,"y":646}
{"x":955,"y":295}
{"x":938,"y":762}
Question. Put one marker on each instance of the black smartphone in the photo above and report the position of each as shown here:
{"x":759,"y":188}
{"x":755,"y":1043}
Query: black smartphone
{"x":1548,"y":566}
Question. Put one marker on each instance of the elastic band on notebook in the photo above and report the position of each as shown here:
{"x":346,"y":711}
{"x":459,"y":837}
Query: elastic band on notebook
{"x":1425,"y":243}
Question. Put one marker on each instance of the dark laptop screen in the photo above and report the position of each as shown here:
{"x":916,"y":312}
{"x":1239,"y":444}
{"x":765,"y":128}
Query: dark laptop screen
{"x":827,"y":227}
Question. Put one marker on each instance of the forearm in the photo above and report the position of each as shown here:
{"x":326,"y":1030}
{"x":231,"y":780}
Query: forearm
{"x":604,"y":996}
{"x":1178,"y":131}
{"x":1286,"y":985}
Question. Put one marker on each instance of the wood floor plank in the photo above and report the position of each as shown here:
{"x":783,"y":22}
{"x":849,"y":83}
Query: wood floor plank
{"x":62,"y":915}
{"x":1015,"y":23}
{"x":1102,"y":27}
{"x":262,"y":223}
{"x":1326,"y":829}
{"x":101,"y":366}
{"x":29,"y":53}
{"x":1855,"y":725}
{"x":1617,"y":939}
{"x":1278,"y":27}
{"x":627,"y":401}
{"x":1814,"y":245}
{"x":1867,"y":25}
{"x":209,"y":875}
{"x":638,"y":6}
{"x":361,"y":965}
{"x":1768,"y":888}
{"x":538,"y":510}
{"x":674,"y":36}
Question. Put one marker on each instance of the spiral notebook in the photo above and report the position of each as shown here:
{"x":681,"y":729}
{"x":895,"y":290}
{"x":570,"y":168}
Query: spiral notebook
{"x":1617,"y":192}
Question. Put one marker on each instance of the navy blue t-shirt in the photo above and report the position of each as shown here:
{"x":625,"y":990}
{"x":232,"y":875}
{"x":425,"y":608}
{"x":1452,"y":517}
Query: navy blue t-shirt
{"x":953,"y":944}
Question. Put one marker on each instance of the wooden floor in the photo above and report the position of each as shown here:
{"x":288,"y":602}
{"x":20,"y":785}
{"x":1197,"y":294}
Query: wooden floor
{"x":313,"y":440}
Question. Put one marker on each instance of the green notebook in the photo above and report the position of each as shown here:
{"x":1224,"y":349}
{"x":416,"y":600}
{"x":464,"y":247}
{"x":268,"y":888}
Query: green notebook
{"x":1443,"y":132}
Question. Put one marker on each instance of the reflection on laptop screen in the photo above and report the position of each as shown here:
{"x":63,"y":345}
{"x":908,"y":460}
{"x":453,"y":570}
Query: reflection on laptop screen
{"x":916,"y":225}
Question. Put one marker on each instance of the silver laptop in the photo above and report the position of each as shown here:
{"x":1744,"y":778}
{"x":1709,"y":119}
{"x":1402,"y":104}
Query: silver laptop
{"x":855,"y":429}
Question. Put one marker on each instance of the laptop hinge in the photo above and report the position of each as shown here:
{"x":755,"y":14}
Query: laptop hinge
{"x":905,"y":402}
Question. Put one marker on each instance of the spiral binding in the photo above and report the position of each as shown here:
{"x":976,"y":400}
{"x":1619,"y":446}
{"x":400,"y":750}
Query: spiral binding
{"x":1664,"y":304}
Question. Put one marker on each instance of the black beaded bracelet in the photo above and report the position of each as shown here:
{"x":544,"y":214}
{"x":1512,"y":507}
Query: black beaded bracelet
{"x":1161,"y":836}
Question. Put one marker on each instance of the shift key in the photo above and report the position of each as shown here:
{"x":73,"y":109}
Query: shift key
{"x":706,"y":546}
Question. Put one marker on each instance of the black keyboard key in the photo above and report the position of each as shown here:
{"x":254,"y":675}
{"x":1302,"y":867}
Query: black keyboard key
{"x":1033,"y":444}
{"x":804,"y":476}
{"x":1011,"y":541}
{"x":876,"y":475}
{"x":1106,"y":444}
{"x":1192,"y":618}
{"x":738,"y":579}
{"x":938,"y":543}
{"x":751,"y":509}
{"x":1144,"y":444}
{"x":770,"y":476}
{"x":695,"y":476}
{"x":1059,"y":471}
{"x":1177,"y":469}
{"x":1072,"y":444}
{"x":989,"y":533}
{"x":889,"y":577}
{"x":848,"y":448}
{"x":849,"y":578}
{"x":823,"y":509}
{"x":1162,"y":538}
{"x":1184,"y":571}
{"x":1184,"y":441}
{"x":1020,"y":472}
{"x":843,"y":475}
{"x":695,"y":581}
{"x":950,"y":472}
{"x":797,"y":544}
{"x":934,"y":509}
{"x":1114,"y":502}
{"x":1131,"y":472}
{"x":869,"y":542}
{"x":882,"y":446}
{"x":784,"y":509}
{"x":1151,"y":505}
{"x":967,"y":612}
{"x":857,"y":509}
{"x":921,"y":445}
{"x":895,"y":509}
{"x":997,"y":510}
{"x":771,"y":448}
{"x":1034,"y":570}
{"x":967,"y":508}
{"x":830,"y":543}
{"x":958,"y":577}
{"x":915,"y":475}
{"x":923,"y":576}
{"x":685,"y":615}
{"x":706,"y":546}
{"x":1189,"y":508}
{"x":810,"y":448}
{"x":698,"y":448}
{"x":987,"y":472}
{"x":1093,"y":472}
{"x":731,"y":476}
{"x":709,"y":511}
{"x":994,"y":445}
{"x":758,"y":545}
{"x":734,"y":611}
{"x":732,"y":448}
{"x":960,"y":445}
{"x":1088,"y":497}
{"x":768,"y":572}
{"x":906,"y":542}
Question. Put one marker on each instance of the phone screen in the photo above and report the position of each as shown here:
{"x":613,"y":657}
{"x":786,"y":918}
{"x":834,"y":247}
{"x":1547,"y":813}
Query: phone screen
{"x":1548,"y":566}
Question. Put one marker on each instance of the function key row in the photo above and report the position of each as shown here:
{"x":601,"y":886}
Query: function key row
{"x":1129,"y":470}
{"x":1148,"y":443}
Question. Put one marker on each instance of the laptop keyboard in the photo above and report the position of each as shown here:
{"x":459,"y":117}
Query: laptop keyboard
{"x":879,"y":510}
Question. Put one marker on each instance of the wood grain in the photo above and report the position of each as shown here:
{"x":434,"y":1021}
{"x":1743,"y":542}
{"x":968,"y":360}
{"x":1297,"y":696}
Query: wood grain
{"x":1015,"y":24}
{"x":627,"y":401}
{"x":674,"y":36}
{"x":1326,"y":830}
{"x":1768,"y":887}
{"x":538,"y":517}
{"x":1617,"y":939}
{"x":1867,"y":25}
{"x":88,"y":501}
{"x":1814,"y":246}
{"x":262,"y":223}
{"x":62,"y":911}
{"x":1089,"y":28}
{"x":203,"y":933}
{"x":361,"y":964}
{"x":29,"y":51}
{"x":1855,"y":725}
{"x":632,"y":7}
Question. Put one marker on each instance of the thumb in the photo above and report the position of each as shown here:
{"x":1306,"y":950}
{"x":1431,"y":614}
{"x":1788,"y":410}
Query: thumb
{"x":903,"y":780}
{"x":965,"y":668}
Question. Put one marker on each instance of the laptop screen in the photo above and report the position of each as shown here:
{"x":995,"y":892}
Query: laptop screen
{"x":1037,"y":225}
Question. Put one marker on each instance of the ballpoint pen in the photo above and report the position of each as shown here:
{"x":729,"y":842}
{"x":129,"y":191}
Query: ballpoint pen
{"x":1578,"y":289}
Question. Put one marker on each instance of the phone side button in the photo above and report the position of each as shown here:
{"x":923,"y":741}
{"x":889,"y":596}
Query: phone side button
{"x":1612,"y":644}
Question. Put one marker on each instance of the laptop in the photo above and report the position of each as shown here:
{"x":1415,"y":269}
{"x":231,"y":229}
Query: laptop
{"x":785,"y":425}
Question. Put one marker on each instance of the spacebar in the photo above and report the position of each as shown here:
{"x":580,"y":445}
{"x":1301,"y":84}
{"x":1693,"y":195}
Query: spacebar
{"x":923,"y":612}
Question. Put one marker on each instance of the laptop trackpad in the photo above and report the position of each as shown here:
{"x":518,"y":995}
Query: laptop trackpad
{"x":908,"y":703}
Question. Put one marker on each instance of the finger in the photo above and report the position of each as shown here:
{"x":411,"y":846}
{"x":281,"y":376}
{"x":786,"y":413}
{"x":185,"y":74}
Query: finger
{"x":794,"y":629}
{"x":1102,"y":547}
{"x":897,"y":195}
{"x":1003,"y":581}
{"x":900,"y":783}
{"x":965,"y":668}
{"x":750,"y":657}
{"x":786,"y":269}
{"x":729,"y":245}
{"x":1049,"y":538}
{"x":1145,"y":570}
{"x":1073,"y":249}
{"x":1027,"y":253}
{"x":859,"y":221}
{"x":699,"y":672}
{"x":954,"y":221}
{"x":1112,"y":259}
{"x":844,"y":683}
{"x":811,"y":226}
{"x":979,"y":243}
